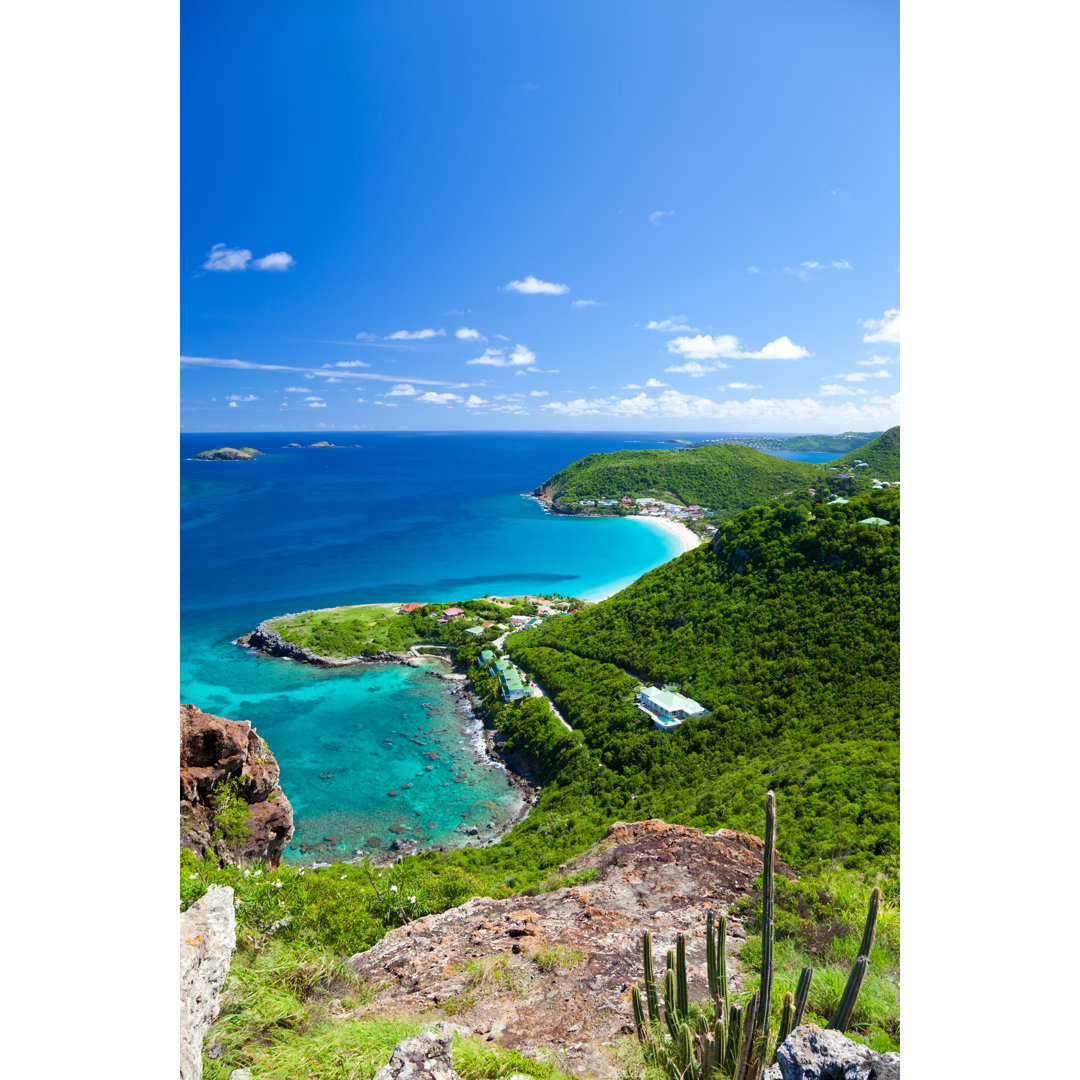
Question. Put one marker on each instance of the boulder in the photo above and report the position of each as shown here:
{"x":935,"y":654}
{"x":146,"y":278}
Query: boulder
{"x":813,"y":1053}
{"x":428,"y":1056}
{"x":207,"y":944}
{"x":215,"y":752}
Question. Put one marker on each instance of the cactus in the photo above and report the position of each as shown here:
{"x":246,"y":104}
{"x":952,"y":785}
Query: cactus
{"x":802,"y":992}
{"x":721,"y":958}
{"x":680,"y":977}
{"x":710,"y":959}
{"x":639,"y":1014}
{"x":867,"y":942}
{"x":688,"y":1053}
{"x":842,"y":1016}
{"x":746,"y":1047}
{"x":733,"y":1043}
{"x":650,"y":979}
{"x":787,"y":1016}
{"x":671,"y":1017}
{"x":768,"y":893}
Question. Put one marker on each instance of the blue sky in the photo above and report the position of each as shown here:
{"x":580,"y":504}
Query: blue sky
{"x":610,"y":215}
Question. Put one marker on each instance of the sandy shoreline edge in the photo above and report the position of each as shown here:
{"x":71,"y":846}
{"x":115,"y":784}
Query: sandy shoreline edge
{"x":683,"y":533}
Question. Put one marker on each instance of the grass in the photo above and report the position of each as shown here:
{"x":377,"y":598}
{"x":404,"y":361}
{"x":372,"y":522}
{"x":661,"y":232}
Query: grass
{"x":556,"y":957}
{"x":281,"y":1019}
{"x":493,"y":974}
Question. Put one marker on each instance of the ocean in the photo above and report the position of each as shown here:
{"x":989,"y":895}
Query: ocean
{"x":399,"y":517}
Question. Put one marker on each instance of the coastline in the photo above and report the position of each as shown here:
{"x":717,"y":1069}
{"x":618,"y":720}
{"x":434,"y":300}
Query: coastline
{"x":685,"y":535}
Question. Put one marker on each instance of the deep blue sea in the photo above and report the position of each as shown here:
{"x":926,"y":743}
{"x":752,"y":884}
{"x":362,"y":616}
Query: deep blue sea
{"x":400,"y":517}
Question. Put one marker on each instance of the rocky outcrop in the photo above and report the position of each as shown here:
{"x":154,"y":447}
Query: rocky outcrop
{"x":207,"y":944}
{"x":554,"y":970}
{"x":811,"y":1053}
{"x":230,"y":801}
{"x":428,"y":1056}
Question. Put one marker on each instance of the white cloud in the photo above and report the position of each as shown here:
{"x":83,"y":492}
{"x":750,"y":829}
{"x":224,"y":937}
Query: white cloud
{"x":224,"y":258}
{"x":537,"y":371}
{"x":673,"y":324}
{"x":466,"y":333}
{"x":885,"y":330}
{"x":414,"y":335}
{"x":248,"y":365}
{"x":360,"y":401}
{"x":753,"y":270}
{"x":313,"y":397}
{"x":402,"y":390}
{"x":454,"y":311}
{"x":519,"y":356}
{"x":330,"y":378}
{"x":501,"y":337}
{"x":296,"y":389}
{"x":704,"y":347}
{"x":431,"y":398}
{"x":740,"y":386}
{"x":316,"y":404}
{"x":767,"y":412}
{"x":836,"y":264}
{"x":632,"y":386}
{"x":388,"y":404}
{"x":655,"y":384}
{"x":241,"y":397}
{"x":658,"y":215}
{"x":531,"y":286}
{"x":474,"y":401}
{"x":276,"y":260}
{"x":836,"y":390}
{"x":509,"y":397}
{"x":694,"y":369}
{"x":538,"y":393}
{"x":365,"y":336}
{"x":707,"y":347}
{"x":585,"y":303}
{"x":351,"y":363}
{"x":874,"y":360}
{"x":233,"y":405}
{"x":862,"y":376}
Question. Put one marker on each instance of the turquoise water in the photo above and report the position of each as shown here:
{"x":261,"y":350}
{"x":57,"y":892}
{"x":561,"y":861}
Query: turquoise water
{"x":401,"y":517}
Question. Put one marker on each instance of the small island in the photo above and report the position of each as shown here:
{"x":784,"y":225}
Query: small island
{"x":228,"y":453}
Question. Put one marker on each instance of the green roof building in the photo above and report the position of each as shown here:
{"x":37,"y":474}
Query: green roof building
{"x":667,"y":708}
{"x":872,"y":521}
{"x":486,"y":657}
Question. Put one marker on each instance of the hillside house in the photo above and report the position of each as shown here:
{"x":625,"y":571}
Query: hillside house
{"x":453,"y":612}
{"x":406,"y":608}
{"x":667,"y":708}
{"x":874,"y":522}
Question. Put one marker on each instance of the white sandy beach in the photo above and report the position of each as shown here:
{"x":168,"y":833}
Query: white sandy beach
{"x":685,"y":535}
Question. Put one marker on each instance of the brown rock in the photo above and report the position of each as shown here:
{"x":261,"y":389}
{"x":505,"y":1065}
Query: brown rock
{"x":215,"y":751}
{"x":650,"y":876}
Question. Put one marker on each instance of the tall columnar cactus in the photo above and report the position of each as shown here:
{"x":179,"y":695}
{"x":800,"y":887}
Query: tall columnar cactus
{"x":716,"y":958}
{"x":671,"y":1008}
{"x":842,"y":1016}
{"x":768,"y":894}
{"x":650,"y":978}
{"x":682,"y":988}
{"x":802,"y":992}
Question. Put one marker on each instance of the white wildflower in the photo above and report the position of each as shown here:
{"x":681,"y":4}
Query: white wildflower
{"x":247,"y":873}
{"x":257,"y":873}
{"x":192,"y":877}
{"x":342,"y":877}
{"x":277,"y":884}
{"x":412,"y":899}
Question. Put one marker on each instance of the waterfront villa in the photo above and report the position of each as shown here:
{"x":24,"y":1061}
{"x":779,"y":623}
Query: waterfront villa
{"x":667,"y":708}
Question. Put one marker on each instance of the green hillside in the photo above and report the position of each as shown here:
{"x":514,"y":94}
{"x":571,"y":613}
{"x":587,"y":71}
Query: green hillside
{"x":786,"y":629}
{"x":726,"y":478}
{"x":882,"y":455}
